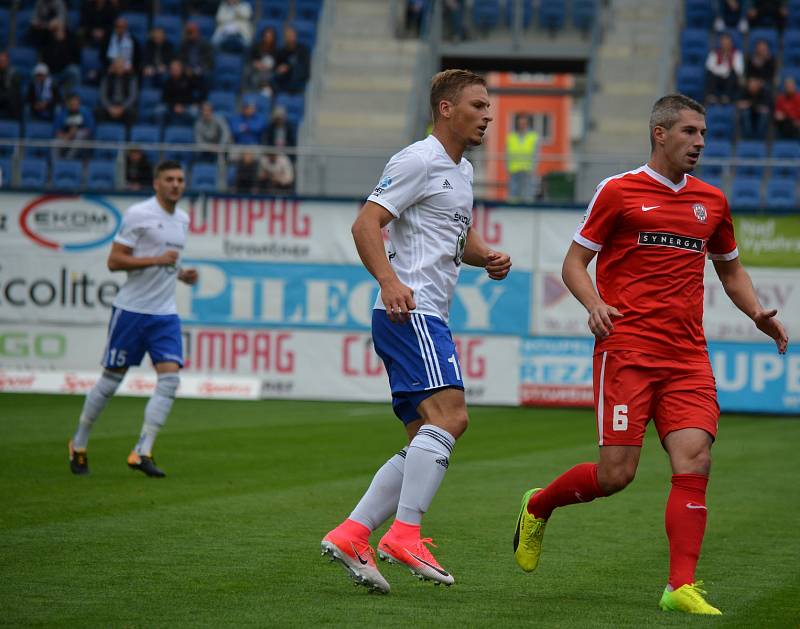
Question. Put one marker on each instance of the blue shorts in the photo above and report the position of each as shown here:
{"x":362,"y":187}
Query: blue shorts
{"x":131,"y":334}
{"x":420,"y":358}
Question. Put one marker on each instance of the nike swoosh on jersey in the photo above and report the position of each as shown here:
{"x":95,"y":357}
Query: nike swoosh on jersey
{"x":647,"y":208}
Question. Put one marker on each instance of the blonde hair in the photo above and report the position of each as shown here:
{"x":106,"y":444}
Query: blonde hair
{"x":447,"y":85}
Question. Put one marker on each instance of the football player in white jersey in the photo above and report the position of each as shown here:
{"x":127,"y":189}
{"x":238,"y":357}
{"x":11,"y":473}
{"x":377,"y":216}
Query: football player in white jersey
{"x":144,"y":316}
{"x":424,"y":198}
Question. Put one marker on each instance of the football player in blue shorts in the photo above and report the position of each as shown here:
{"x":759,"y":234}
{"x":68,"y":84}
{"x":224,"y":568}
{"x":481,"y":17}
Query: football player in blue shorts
{"x":144,"y":316}
{"x":424,"y":199}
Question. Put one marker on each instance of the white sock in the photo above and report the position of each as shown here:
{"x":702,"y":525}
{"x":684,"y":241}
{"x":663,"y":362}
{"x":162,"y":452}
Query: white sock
{"x":94,"y":404}
{"x":156,"y":411}
{"x":426,"y":463}
{"x":380,"y":499}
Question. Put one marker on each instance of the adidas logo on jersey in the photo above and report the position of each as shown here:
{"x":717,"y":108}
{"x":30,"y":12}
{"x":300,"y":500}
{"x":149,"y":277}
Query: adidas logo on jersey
{"x":446,"y":185}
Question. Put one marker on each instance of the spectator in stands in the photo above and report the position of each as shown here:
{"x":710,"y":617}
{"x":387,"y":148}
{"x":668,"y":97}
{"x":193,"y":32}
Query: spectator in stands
{"x":754,"y":110}
{"x":453,"y":19}
{"x":730,"y":15}
{"x":119,"y":91}
{"x":73,"y":122}
{"x":247,"y":173}
{"x":248,"y":126}
{"x":724,"y":71}
{"x":522,"y":148}
{"x":234,"y":30}
{"x":293,"y":64}
{"x":280,"y":133}
{"x":43,"y":94}
{"x":181,"y":95}
{"x":122,"y":45}
{"x":10,"y":92}
{"x":761,"y":64}
{"x":211,"y":128}
{"x":767,"y":14}
{"x":200,"y":7}
{"x":262,"y":61}
{"x":97,"y":16}
{"x":414,"y":11}
{"x":787,"y":111}
{"x":47,"y":15}
{"x":277,"y":173}
{"x":196,"y":53}
{"x":138,"y":170}
{"x":158,"y":54}
{"x":62,"y":56}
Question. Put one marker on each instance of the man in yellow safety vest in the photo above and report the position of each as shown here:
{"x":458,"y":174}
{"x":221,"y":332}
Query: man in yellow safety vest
{"x":521,"y":153}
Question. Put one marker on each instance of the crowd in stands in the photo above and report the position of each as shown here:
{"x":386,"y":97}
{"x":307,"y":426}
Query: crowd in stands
{"x":194,"y":72}
{"x":742,"y":59}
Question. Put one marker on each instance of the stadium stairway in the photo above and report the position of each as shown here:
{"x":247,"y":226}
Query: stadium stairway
{"x":362,"y":97}
{"x":633,"y":67}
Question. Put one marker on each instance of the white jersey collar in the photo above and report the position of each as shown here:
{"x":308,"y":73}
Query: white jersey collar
{"x":675,"y":187}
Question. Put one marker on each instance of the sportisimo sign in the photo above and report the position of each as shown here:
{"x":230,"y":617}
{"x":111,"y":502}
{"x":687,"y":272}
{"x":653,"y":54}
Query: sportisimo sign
{"x":67,"y":223}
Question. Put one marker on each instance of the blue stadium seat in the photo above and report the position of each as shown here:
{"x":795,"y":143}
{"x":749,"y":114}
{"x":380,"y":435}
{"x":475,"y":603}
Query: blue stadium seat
{"x":170,"y":7}
{"x":23,"y":58}
{"x":306,"y":32}
{"x":781,"y":194}
{"x":149,"y":105}
{"x":38,"y":131}
{"x":294,"y":104}
{"x":6,"y":172}
{"x":552,"y":14}
{"x":691,"y":81}
{"x":699,"y":13}
{"x":204,"y":178}
{"x":228,"y":72}
{"x":91,"y":66}
{"x":138,"y":25}
{"x":205,"y":24}
{"x":791,"y":48}
{"x":88,"y":94}
{"x":67,"y":174}
{"x":9,"y":129}
{"x":584,"y":13}
{"x":719,"y":150}
{"x":527,"y":12}
{"x":224,"y":102}
{"x":175,"y":134}
{"x":23,"y":26}
{"x":786,"y":150}
{"x":694,"y":47}
{"x":172,"y":25}
{"x":307,"y":9}
{"x":721,"y":121}
{"x":147,"y":134}
{"x":769,"y":35}
{"x":5,"y":18}
{"x":277,"y":10}
{"x":109,"y":132}
{"x":750,"y":150}
{"x":713,"y":180}
{"x":792,"y":71}
{"x":100,"y":175}
{"x":746,"y":193}
{"x":33,"y":172}
{"x":735,"y":35}
{"x":793,"y":20}
{"x":485,"y":14}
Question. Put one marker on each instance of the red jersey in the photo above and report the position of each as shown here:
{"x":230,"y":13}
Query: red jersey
{"x":653,"y":236}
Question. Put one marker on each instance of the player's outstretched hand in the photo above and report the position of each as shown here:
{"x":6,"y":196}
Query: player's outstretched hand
{"x":600,"y":320}
{"x":398,"y":300}
{"x":168,"y":258}
{"x":766,"y":322}
{"x":499,"y":265}
{"x":188,"y":276}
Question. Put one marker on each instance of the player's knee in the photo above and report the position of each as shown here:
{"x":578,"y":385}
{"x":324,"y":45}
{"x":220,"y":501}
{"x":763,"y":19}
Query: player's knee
{"x":698,"y":463}
{"x":614,"y":479}
{"x":167,"y":384}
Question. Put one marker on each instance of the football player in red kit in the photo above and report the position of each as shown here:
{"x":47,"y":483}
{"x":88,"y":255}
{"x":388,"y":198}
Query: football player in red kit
{"x":652,"y":229}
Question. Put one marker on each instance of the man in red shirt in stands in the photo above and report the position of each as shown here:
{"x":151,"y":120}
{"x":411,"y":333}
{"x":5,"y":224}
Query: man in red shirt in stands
{"x":653,"y":228}
{"x":787,"y":110}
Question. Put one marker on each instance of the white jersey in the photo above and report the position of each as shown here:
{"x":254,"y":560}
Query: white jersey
{"x":150,"y":231}
{"x":431,"y":198}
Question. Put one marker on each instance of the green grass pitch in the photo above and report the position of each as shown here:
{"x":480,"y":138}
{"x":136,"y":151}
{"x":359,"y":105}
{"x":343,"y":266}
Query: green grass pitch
{"x":231,"y":536}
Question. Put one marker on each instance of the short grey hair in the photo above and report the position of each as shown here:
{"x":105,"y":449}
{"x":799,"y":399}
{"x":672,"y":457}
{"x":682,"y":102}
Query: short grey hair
{"x":667,"y":110}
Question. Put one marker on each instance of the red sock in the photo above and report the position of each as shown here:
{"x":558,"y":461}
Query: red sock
{"x":354,"y":530}
{"x":404,"y":529}
{"x":576,"y":485}
{"x":686,"y":523}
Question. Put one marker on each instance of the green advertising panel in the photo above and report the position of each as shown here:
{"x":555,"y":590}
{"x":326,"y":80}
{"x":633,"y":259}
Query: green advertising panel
{"x":768,"y":240}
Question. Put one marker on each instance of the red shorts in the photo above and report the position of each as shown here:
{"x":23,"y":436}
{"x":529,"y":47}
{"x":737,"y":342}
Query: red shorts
{"x":631,"y":388}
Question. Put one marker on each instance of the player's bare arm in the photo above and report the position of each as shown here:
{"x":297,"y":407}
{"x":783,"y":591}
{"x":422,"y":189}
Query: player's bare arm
{"x":121,"y":258}
{"x":478,"y":253}
{"x":739,"y":288}
{"x":575,"y":274}
{"x":397,"y":298}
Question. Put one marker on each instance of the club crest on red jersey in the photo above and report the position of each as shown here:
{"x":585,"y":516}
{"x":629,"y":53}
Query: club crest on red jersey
{"x":700,"y":212}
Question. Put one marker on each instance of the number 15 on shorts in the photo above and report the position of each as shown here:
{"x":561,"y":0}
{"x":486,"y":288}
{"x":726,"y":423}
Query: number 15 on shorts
{"x":619,"y":420}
